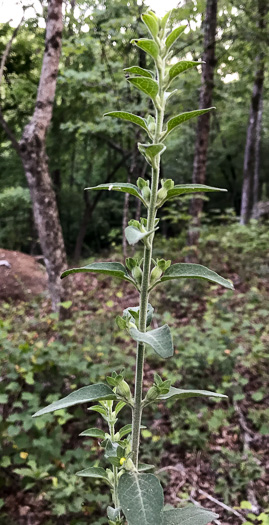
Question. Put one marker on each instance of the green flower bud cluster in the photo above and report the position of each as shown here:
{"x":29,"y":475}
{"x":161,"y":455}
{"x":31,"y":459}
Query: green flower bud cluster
{"x":158,"y":388}
{"x":161,"y":266}
{"x":143,"y":185}
{"x":122,"y":388}
{"x":133,"y":264}
{"x":163,"y":191}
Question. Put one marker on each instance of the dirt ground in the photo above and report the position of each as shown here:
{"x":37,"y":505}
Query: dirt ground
{"x":21,"y":276}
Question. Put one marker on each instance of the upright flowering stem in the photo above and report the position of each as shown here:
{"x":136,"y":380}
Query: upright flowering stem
{"x":144,"y":294}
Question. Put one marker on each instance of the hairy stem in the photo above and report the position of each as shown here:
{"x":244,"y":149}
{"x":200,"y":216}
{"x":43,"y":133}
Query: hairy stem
{"x":115,"y":469}
{"x":144,"y":294}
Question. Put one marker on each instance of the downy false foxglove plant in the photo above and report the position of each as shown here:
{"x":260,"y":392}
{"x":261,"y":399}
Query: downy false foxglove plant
{"x":136,"y":494}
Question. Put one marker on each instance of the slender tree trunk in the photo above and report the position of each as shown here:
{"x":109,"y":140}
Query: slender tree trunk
{"x":252,"y":148}
{"x":256,"y":181}
{"x":203,"y":127}
{"x":35,"y":161}
{"x":32,"y":151}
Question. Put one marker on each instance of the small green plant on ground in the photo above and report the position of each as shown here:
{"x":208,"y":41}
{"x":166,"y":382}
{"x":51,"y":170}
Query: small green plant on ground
{"x":137,"y":495}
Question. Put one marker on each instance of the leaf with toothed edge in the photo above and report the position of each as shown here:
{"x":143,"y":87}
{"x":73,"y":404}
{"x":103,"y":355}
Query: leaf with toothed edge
{"x":182,"y":66}
{"x":190,"y":515}
{"x":86,"y":394}
{"x":129,"y":117}
{"x":194,"y":271}
{"x":146,"y":85}
{"x":147,"y":45}
{"x":179,"y":393}
{"x":141,"y":498}
{"x":119,"y":186}
{"x":137,"y":70}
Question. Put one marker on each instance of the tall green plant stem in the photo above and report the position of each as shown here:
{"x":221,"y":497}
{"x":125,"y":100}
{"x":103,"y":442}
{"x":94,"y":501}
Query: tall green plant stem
{"x":115,"y":469}
{"x":144,"y":294}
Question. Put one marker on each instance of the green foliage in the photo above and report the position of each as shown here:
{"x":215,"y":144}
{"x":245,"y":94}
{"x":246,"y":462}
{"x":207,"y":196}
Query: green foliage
{"x":183,"y":516}
{"x":141,"y":498}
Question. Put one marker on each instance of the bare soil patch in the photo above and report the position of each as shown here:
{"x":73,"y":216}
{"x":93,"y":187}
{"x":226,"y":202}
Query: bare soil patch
{"x":21,"y":275}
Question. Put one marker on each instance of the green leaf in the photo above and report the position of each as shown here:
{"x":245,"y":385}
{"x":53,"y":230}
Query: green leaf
{"x":178,"y":393}
{"x":188,"y":516}
{"x":181,"y":189}
{"x":134,"y":235}
{"x":149,"y":46}
{"x":151,"y":24}
{"x":93,"y":432}
{"x":183,"y":117}
{"x":150,"y":151}
{"x":86,"y":394}
{"x":174,"y":36}
{"x":194,"y":271}
{"x":143,"y":467}
{"x":98,"y":408}
{"x":119,"y":186}
{"x":119,"y":406}
{"x":182,"y":66}
{"x":134,"y":312}
{"x":125,"y":430}
{"x":136,"y":70}
{"x":141,"y":498}
{"x":93,"y":472}
{"x":129,"y":117}
{"x":159,"y":339}
{"x":147,"y":85}
{"x":106,"y":268}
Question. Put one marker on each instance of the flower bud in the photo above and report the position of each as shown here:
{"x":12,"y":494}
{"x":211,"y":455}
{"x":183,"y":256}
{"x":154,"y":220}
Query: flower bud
{"x":152,"y":394}
{"x":161,"y":195}
{"x":137,"y":274}
{"x":155,"y":274}
{"x":168,"y":184}
{"x":146,"y":193}
{"x":141,"y":183}
{"x":124,"y":391}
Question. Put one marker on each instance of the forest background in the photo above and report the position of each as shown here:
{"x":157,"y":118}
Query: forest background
{"x":216,"y":451}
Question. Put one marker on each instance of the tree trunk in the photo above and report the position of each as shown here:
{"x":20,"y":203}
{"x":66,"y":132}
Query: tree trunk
{"x":35,"y":161}
{"x":256,"y":181}
{"x":252,"y":148}
{"x":203,"y":126}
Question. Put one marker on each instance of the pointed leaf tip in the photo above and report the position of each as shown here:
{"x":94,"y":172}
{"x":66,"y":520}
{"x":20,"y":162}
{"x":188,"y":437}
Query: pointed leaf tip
{"x":195,"y":271}
{"x":183,"y":117}
{"x":129,"y":117}
{"x":106,"y":268}
{"x":190,"y":515}
{"x":86,"y":394}
{"x":147,"y":45}
{"x":179,"y":393}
